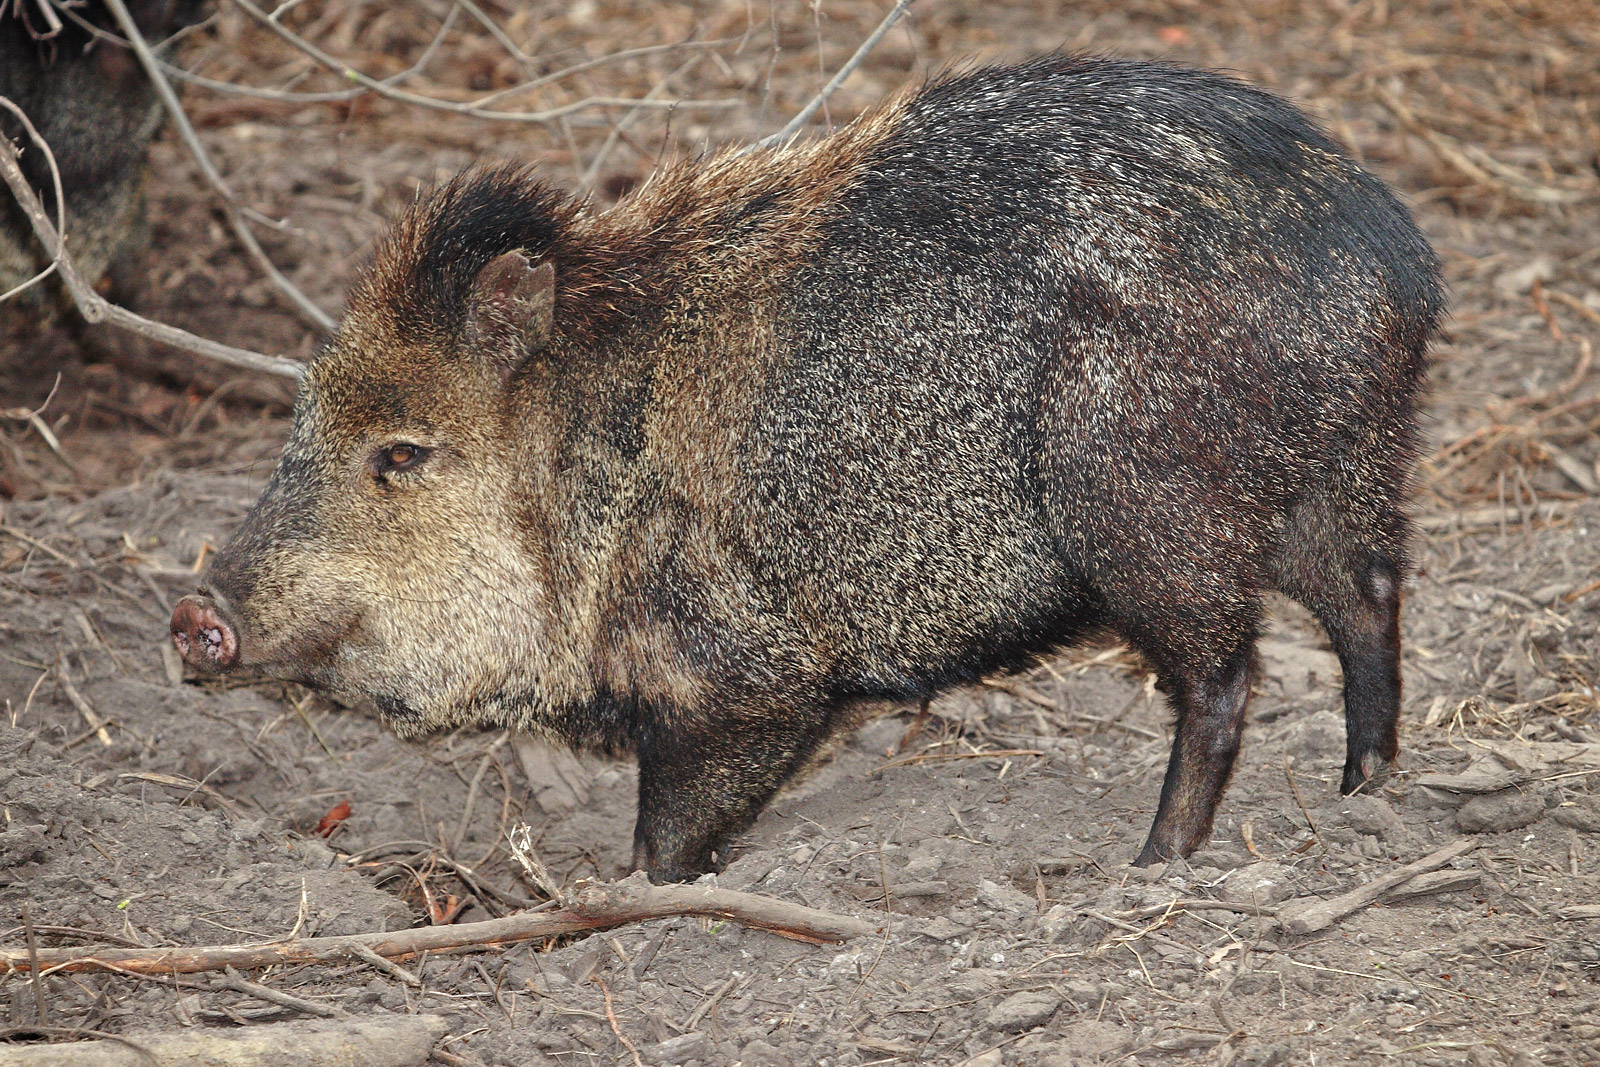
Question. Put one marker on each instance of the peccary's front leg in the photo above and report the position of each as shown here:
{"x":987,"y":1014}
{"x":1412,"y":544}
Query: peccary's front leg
{"x":702,"y":782}
{"x":1210,"y":704}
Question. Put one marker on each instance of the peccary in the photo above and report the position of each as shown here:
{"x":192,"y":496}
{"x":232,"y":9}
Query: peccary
{"x":94,"y":106}
{"x":1033,"y":351}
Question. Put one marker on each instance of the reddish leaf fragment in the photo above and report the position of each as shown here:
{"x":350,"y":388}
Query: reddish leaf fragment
{"x":330,"y":822}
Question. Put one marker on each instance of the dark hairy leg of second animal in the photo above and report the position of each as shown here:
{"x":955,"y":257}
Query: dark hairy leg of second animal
{"x":1353,"y":588}
{"x":1210,"y":703}
{"x":701,"y":783}
{"x":1366,"y":637}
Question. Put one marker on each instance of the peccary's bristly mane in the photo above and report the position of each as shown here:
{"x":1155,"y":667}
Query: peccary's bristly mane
{"x":422,"y":274}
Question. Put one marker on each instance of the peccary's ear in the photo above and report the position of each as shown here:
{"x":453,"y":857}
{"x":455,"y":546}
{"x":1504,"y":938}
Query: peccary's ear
{"x":513,"y":307}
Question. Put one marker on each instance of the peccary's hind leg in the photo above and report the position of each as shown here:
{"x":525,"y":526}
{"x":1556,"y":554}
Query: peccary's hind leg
{"x":1209,"y":694}
{"x":1354,"y":590}
{"x":700,"y":783}
{"x":1367,"y":641}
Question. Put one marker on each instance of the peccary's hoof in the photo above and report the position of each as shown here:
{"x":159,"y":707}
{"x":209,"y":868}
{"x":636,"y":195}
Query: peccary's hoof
{"x":1368,"y":775}
{"x":1151,"y":854}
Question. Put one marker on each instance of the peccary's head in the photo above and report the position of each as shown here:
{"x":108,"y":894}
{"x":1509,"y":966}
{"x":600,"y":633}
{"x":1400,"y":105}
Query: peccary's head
{"x":390,"y":556}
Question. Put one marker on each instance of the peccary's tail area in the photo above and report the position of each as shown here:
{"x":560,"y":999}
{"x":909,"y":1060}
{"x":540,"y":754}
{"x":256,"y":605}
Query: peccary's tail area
{"x":1343,"y":556}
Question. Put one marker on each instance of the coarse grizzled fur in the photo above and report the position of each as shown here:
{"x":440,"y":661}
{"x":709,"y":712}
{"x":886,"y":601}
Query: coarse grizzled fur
{"x":96,"y":109}
{"x":1032,"y":351}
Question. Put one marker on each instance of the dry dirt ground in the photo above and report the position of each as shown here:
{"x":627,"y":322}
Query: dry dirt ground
{"x":1013,"y":931}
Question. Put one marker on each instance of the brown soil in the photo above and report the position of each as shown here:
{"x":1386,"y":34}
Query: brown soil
{"x":1015,"y":932}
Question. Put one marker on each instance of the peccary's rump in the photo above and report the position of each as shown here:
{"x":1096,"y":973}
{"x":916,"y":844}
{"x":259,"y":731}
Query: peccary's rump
{"x":1035,"y":350}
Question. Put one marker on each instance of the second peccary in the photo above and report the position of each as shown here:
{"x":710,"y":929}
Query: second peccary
{"x":94,"y":106}
{"x":1030,"y":352}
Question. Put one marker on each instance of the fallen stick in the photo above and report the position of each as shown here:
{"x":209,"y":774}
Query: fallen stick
{"x":592,"y":906}
{"x":1310,"y":916}
{"x":1426,"y":885}
{"x":374,"y":1041}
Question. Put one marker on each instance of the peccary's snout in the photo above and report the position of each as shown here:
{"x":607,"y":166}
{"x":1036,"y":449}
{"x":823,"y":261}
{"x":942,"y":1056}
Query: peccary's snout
{"x":204,"y":635}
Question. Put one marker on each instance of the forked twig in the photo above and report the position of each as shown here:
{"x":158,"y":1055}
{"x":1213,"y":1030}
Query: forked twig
{"x":1312,"y":916}
{"x":96,"y":308}
{"x":55,"y":182}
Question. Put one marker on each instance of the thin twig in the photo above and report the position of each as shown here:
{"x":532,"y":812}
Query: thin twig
{"x":710,"y":1002}
{"x":611,"y":1017}
{"x":524,"y":60}
{"x":230,"y":203}
{"x":1032,"y":696}
{"x":95,"y":308}
{"x":519,"y":839}
{"x":253,"y":91}
{"x":33,"y":965}
{"x":619,"y":127}
{"x":97,"y":725}
{"x":1575,"y":304}
{"x":1312,"y":916}
{"x":1477,"y":164}
{"x":387,"y":966}
{"x":472,"y":793}
{"x":12,"y":531}
{"x":793,"y":125}
{"x":240,"y":984}
{"x":936,"y":757}
{"x":31,"y":415}
{"x":51,"y":19}
{"x":1294,"y":787}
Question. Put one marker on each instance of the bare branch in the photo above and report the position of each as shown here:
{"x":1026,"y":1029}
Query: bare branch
{"x":793,"y":125}
{"x":345,"y":95}
{"x":96,"y":308}
{"x":55,"y":181}
{"x":241,"y":228}
{"x":595,"y":906}
{"x":474,"y":108}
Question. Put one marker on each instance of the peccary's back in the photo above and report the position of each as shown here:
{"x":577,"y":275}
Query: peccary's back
{"x":1069,"y":319}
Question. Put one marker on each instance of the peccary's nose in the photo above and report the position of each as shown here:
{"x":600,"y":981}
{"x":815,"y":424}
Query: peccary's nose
{"x":204,"y":636}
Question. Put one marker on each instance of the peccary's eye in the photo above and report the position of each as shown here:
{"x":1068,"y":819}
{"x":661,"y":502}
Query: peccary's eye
{"x":399,"y":456}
